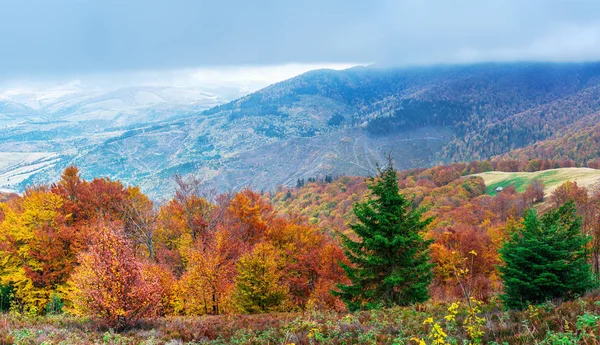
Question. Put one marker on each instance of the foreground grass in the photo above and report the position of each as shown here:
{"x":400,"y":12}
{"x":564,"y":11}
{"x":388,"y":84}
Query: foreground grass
{"x":552,"y":178}
{"x":573,"y":322}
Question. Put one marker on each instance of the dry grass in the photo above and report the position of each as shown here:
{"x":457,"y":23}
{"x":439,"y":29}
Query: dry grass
{"x":569,"y":323}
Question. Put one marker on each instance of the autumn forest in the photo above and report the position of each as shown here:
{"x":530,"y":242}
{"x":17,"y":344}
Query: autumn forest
{"x":104,"y":252}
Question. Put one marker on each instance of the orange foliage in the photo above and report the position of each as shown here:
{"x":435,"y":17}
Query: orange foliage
{"x":569,"y":191}
{"x":207,"y":284}
{"x":110,"y":282}
{"x":195,"y":254}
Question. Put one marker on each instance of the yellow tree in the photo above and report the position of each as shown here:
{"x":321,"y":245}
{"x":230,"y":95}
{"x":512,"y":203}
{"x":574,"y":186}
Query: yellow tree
{"x":37,"y":250}
{"x":206,"y":286}
{"x":258,"y":286}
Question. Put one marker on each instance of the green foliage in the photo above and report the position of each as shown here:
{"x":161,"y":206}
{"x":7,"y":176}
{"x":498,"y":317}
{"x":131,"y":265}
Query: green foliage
{"x":545,"y":258}
{"x":587,"y":322}
{"x":55,"y":305}
{"x":586,"y":328}
{"x":390,"y":261}
{"x":258,"y":288}
{"x":6,"y":296}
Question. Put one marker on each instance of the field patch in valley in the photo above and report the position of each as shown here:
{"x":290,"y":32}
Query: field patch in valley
{"x":585,"y":177}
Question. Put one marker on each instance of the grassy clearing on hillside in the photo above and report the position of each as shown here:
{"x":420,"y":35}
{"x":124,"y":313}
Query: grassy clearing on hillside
{"x":585,"y":177}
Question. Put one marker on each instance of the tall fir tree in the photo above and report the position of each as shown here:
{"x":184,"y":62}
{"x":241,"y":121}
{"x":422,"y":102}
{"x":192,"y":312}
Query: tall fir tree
{"x":545,"y":258}
{"x":389,"y":260}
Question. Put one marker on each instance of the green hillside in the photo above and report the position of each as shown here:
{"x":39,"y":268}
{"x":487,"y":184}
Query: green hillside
{"x":552,"y":178}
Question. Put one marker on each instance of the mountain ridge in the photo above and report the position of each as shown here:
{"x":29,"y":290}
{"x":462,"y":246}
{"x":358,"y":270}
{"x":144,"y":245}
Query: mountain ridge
{"x":476,"y":111}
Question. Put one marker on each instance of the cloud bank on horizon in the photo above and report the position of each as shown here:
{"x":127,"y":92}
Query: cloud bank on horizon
{"x":239,"y":79}
{"x":41,"y":38}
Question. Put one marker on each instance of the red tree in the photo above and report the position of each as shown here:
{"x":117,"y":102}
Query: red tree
{"x":110,"y":283}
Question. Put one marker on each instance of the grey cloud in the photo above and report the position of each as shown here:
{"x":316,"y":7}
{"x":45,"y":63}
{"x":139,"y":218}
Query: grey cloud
{"x":63,"y":37}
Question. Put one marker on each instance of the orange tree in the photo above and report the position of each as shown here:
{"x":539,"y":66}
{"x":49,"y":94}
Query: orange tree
{"x":110,"y":282}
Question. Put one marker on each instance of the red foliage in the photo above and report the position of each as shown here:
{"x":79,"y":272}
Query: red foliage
{"x":54,"y":248}
{"x":110,"y":281}
{"x":138,"y":260}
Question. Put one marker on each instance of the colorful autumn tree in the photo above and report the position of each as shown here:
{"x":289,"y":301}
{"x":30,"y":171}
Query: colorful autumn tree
{"x":110,"y":282}
{"x":534,"y":192}
{"x":258,"y":287}
{"x":465,"y":260}
{"x":569,"y":191}
{"x":162,"y":274}
{"x":37,"y":250}
{"x":389,"y":263}
{"x":310,"y":258}
{"x":194,"y":202}
{"x":330,"y":254}
{"x":74,"y":190}
{"x":207,"y":284}
{"x":248,"y":216}
{"x":172,"y":237}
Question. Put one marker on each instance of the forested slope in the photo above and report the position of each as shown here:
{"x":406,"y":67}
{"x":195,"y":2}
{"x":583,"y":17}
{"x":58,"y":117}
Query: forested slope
{"x":331,"y":122}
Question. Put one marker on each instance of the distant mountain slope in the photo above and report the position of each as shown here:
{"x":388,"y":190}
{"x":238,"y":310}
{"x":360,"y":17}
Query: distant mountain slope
{"x":106,"y":108}
{"x":579,"y":142}
{"x":72,"y":120}
{"x":11,"y":113}
{"x":344,"y":122}
{"x":18,"y":166}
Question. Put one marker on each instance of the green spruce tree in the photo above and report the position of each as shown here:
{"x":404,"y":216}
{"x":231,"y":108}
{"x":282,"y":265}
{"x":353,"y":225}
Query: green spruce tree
{"x":545,"y":258}
{"x":389,"y":260}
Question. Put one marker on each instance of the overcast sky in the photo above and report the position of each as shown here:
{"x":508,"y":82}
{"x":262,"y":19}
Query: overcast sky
{"x":65,"y":38}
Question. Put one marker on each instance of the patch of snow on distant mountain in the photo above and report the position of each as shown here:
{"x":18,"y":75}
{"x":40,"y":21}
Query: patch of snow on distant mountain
{"x":17,"y":166}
